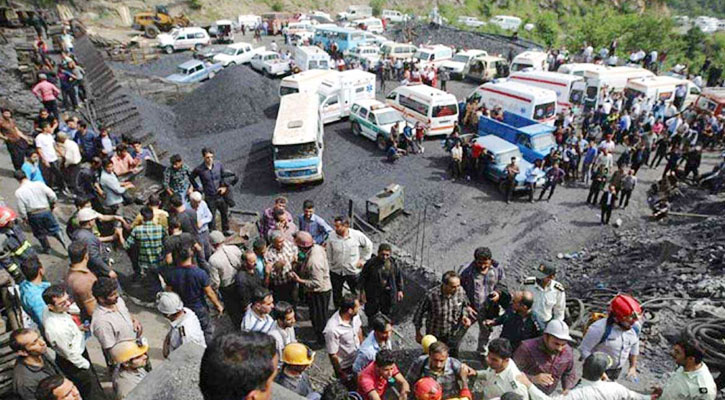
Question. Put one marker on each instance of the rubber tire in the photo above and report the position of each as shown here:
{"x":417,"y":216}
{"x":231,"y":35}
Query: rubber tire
{"x":151,"y":31}
{"x":169,"y":50}
{"x":356,"y":129}
{"x":198,"y":46}
{"x":381,"y":142}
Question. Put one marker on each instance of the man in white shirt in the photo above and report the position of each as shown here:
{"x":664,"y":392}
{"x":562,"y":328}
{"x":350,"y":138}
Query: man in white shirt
{"x":185,"y":326}
{"x":71,"y":154}
{"x":257,"y":318}
{"x":69,"y":343}
{"x":343,"y":335}
{"x":283,"y":330}
{"x":48,"y":151}
{"x":347,"y":251}
{"x":500,"y":376}
{"x":36,"y":202}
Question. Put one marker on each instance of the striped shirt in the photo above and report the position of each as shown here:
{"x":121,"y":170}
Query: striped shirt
{"x":288,"y":254}
{"x":150,"y":239}
{"x":254,"y":323}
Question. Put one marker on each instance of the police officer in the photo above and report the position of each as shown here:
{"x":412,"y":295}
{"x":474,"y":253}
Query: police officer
{"x":185,"y":326}
{"x":692,"y":379}
{"x":13,"y":242}
{"x":549,"y":295}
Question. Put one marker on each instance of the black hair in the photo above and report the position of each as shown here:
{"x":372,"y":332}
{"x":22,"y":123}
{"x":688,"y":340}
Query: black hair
{"x":259,"y":243}
{"x":14,"y":344}
{"x":153,"y":200}
{"x":77,"y":251}
{"x":206,"y":150}
{"x":691,"y":350}
{"x":379,"y":322}
{"x":511,"y":396}
{"x":103,"y":287}
{"x":347,"y":302}
{"x":260,"y":294}
{"x":147,"y":213}
{"x":448,"y":276}
{"x":235,"y":364}
{"x":482,"y":253}
{"x":335,"y":390}
{"x":384,"y":247}
{"x":343,"y":220}
{"x":501,"y":347}
{"x":176,"y":200}
{"x":80,"y":201}
{"x":175,"y":158}
{"x":307,"y":204}
{"x":278,"y":213}
{"x":106,"y":162}
{"x":183,"y":251}
{"x":384,"y":358}
{"x":281,"y":309}
{"x":31,"y":267}
{"x":53,"y":292}
{"x":19,"y":175}
{"x":45,"y":388}
{"x":174,"y":223}
{"x":437,"y":348}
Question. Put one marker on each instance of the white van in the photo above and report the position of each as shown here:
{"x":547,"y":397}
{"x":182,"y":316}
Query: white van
{"x":609,"y":79}
{"x":394,"y":16}
{"x":394,"y":50}
{"x":569,"y":89}
{"x":298,"y":140}
{"x":486,"y":68}
{"x":434,"y":55}
{"x":530,"y":59}
{"x":312,"y":57}
{"x":459,"y":64}
{"x":356,"y":12}
{"x":372,"y":24}
{"x":338,"y":92}
{"x":305,"y":81}
{"x":579,"y":69}
{"x":527,"y":101}
{"x":303,"y":30}
{"x":506,"y":22}
{"x":663,"y":88}
{"x":435,"y":109}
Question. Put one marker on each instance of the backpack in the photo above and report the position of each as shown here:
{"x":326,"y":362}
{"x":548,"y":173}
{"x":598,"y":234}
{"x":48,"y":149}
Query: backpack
{"x":596,"y":316}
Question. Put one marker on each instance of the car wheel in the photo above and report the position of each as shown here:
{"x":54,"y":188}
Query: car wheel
{"x":198,"y":46}
{"x":169,"y":49}
{"x":267,"y":74}
{"x":381,"y":142}
{"x":356,"y":129}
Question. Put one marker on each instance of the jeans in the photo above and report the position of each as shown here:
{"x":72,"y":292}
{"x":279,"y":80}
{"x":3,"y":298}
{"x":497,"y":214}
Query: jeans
{"x":606,"y":214}
{"x":218,"y":203}
{"x":52,"y":107}
{"x":233,"y":304}
{"x":202,"y":312}
{"x":337,"y":281}
{"x":548,"y":185}
{"x":55,"y":176}
{"x":43,"y":224}
{"x":626,"y":194}
{"x":532,"y":189}
{"x":17,"y":152}
{"x":593,"y":195}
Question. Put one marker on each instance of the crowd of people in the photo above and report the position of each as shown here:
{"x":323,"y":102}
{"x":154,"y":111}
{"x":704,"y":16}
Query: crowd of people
{"x":179,"y":246}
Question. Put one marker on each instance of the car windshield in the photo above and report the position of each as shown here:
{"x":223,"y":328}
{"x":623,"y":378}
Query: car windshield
{"x":230,"y":51}
{"x":505,"y":157}
{"x":184,"y":71}
{"x":422,"y":55}
{"x":542,"y":141}
{"x":461,"y":58}
{"x":284,"y":90}
{"x":271,"y":57}
{"x":592,"y":92}
{"x":543,"y":111}
{"x":385,"y":50}
{"x":295,"y":151}
{"x":445,"y":110}
{"x":520,"y":67}
{"x":388,"y":117}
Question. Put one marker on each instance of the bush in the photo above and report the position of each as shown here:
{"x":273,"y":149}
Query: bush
{"x":377,"y":6}
{"x":277,"y":6}
{"x":195,"y":4}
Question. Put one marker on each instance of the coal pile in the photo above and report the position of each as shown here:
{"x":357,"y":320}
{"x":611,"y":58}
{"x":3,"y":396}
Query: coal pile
{"x":162,"y":66}
{"x":236,"y":97}
{"x":454,"y":37}
{"x":14,"y":94}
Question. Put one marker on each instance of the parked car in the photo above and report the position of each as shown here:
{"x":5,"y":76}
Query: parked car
{"x":471,"y":22}
{"x":373,"y":119}
{"x":269,"y":63}
{"x":193,"y":71}
{"x":394,"y":16}
{"x":371,"y":54}
{"x":459,"y":65}
{"x":506,"y":22}
{"x":501,"y":152}
{"x":183,"y":39}
{"x":237,"y":53}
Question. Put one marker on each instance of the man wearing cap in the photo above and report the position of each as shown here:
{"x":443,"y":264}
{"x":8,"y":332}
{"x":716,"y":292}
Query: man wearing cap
{"x":314,"y":276}
{"x":593,"y":386}
{"x":373,"y":380}
{"x":130,"y":357}
{"x":296,"y":358}
{"x":225,"y":262}
{"x":150,"y":240}
{"x":549,"y":295}
{"x":98,"y":260}
{"x":692,"y":379}
{"x":482,"y":281}
{"x":500,"y":376}
{"x":548,"y":359}
{"x":185,"y":326}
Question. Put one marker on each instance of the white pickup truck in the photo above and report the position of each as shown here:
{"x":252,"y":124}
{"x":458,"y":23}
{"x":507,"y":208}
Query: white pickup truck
{"x":237,"y":53}
{"x":269,"y":63}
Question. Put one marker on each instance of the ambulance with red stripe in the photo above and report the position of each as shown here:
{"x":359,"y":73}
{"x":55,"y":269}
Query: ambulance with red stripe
{"x":524,"y":100}
{"x":569,"y":89}
{"x":435,"y":109}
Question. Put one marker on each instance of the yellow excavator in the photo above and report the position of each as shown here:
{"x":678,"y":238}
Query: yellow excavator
{"x":157,"y":21}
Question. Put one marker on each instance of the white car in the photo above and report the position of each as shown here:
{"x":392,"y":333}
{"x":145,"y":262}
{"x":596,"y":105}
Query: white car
{"x":364,"y":52}
{"x":471,"y":22}
{"x":269,"y":63}
{"x":395,"y":16}
{"x":506,"y":22}
{"x":237,"y":53}
{"x":458,"y":66}
{"x":183,"y":39}
{"x":373,"y":120}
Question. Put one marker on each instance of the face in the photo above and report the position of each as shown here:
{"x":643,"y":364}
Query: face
{"x":384,"y":336}
{"x":265,"y":306}
{"x":44,"y":114}
{"x":34,"y":158}
{"x":61,"y":304}
{"x":110,"y":300}
{"x":280,"y":205}
{"x":340,"y":228}
{"x":517,"y":304}
{"x":177,"y":165}
{"x":438,"y":361}
{"x":387,"y":371}
{"x":555,"y":345}
{"x":384,"y":254}
{"x":308,"y":212}
{"x":108,"y":167}
{"x":250,"y":261}
{"x":67,"y":391}
{"x":496,"y":363}
{"x":278,"y":243}
{"x":547,"y":280}
{"x":6,"y":114}
{"x":289,"y":320}
{"x":678,"y":353}
{"x":483,"y":263}
{"x":138,"y":361}
{"x":33,"y":344}
{"x":209,"y":158}
{"x":450,"y":288}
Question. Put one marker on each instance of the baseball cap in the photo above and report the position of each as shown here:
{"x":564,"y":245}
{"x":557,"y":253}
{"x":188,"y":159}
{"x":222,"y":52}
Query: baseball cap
{"x":216,"y":237}
{"x":87,"y":214}
{"x":596,"y":364}
{"x":558,"y":329}
{"x":543,"y":270}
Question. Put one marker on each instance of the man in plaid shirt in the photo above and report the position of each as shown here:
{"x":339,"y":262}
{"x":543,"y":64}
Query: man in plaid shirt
{"x":177,"y":178}
{"x":149,"y":237}
{"x":445,"y":309}
{"x":279,"y":257}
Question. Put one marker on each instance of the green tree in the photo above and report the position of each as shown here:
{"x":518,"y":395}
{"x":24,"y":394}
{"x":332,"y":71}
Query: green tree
{"x":694,"y":41}
{"x":377,"y":6}
{"x":546,"y":28}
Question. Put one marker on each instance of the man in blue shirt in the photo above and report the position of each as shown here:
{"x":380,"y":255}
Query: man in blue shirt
{"x":211,"y":175}
{"x":312,"y":223}
{"x":31,"y":167}
{"x":31,"y":289}
{"x":86,"y":140}
{"x":379,"y":338}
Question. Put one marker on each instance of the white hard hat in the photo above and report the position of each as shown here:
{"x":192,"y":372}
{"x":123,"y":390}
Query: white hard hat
{"x":195,"y":196}
{"x":169,"y":303}
{"x":87,"y":214}
{"x":558,"y":329}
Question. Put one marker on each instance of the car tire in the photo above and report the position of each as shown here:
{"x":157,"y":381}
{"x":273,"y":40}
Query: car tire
{"x":198,"y":46}
{"x":381,"y":142}
{"x":356,"y":129}
{"x":266,"y":73}
{"x":169,"y":49}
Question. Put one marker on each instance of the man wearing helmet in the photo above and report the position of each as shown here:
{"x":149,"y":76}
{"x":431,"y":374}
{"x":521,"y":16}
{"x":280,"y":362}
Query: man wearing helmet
{"x":130,"y":357}
{"x":617,"y":335}
{"x":15,"y":243}
{"x":296,"y":358}
{"x":185,"y":326}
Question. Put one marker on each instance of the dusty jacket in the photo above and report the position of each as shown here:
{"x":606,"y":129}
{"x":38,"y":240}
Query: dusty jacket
{"x":315,"y":272}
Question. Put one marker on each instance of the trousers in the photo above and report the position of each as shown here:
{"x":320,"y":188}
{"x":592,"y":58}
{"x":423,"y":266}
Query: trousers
{"x":218,"y":203}
{"x":337,"y":281}
{"x":319,"y":303}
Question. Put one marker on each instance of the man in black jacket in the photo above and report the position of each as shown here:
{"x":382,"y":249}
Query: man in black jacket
{"x":381,"y":283}
{"x":608,"y":202}
{"x":518,"y":321}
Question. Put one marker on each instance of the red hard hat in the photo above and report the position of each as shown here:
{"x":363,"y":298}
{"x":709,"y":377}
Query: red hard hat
{"x":625,"y":307}
{"x":428,"y":389}
{"x":6,"y":215}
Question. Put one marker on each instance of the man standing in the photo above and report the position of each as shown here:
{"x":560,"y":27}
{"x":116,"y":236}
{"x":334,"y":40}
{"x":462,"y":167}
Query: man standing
{"x":512,"y":169}
{"x":32,"y":363}
{"x":608,"y":202}
{"x":554,"y":176}
{"x":692,"y":379}
{"x":31,"y":166}
{"x":283,"y":330}
{"x":36,"y":202}
{"x":257,"y":318}
{"x":378,"y":339}
{"x":518,"y":321}
{"x":343,"y":335}
{"x":347,"y":251}
{"x":211,"y":175}
{"x":48,"y":94}
{"x":281,"y":255}
{"x":549,"y":295}
{"x":48,"y":151}
{"x":445,"y":309}
{"x":246,"y":281}
{"x":177,"y":178}
{"x":628,"y":184}
{"x":482,"y":281}
{"x":185,"y":326}
{"x":444,"y":77}
{"x":314,"y":271}
{"x":69,"y":343}
{"x":532,"y":175}
{"x":500,"y":376}
{"x":381,"y":283}
{"x":225,"y":262}
{"x":130,"y":357}
{"x":32,"y":288}
{"x":98,"y":260}
{"x":312,"y":223}
{"x":548,"y":359}
{"x":150,"y":240}
{"x":15,"y":140}
{"x":80,"y":280}
{"x":203,"y":219}
{"x":268,"y":222}
{"x":373,"y":380}
{"x":111,"y":322}
{"x":71,"y":156}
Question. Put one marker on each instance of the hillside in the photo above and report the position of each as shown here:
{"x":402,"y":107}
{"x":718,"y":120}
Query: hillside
{"x":713,"y":8}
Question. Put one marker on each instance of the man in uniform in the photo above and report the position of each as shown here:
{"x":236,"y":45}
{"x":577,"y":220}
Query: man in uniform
{"x":692,"y":380}
{"x":549,"y":295}
{"x":130,"y":357}
{"x":296,"y":359}
{"x":185,"y":326}
{"x":500,"y":376}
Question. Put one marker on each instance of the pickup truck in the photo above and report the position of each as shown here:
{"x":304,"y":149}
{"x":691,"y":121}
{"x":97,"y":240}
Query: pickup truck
{"x":269,"y":63}
{"x":193,"y":71}
{"x":237,"y":53}
{"x":500,"y":153}
{"x":534,"y":139}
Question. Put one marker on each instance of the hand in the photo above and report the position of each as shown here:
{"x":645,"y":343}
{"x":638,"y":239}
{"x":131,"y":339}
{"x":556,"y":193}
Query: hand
{"x":495,"y":297}
{"x":293,"y":275}
{"x":418,"y":337}
{"x":489,"y":322}
{"x":137,"y":327}
{"x":468,"y":371}
{"x":46,"y":164}
{"x":404,"y":391}
{"x":466,"y":321}
{"x":220,"y":309}
{"x":169,"y":192}
{"x":363,"y":298}
{"x":524,"y":380}
{"x":472,"y":311}
{"x":222,"y":190}
{"x":631,"y":373}
{"x":359,"y":264}
{"x":113,"y":275}
{"x":543,"y":379}
{"x":400,"y":296}
{"x":279,"y":264}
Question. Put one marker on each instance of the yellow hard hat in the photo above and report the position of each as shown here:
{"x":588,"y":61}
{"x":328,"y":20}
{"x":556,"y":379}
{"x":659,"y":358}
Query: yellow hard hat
{"x":427,"y":341}
{"x":297,"y":354}
{"x":128,"y":349}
